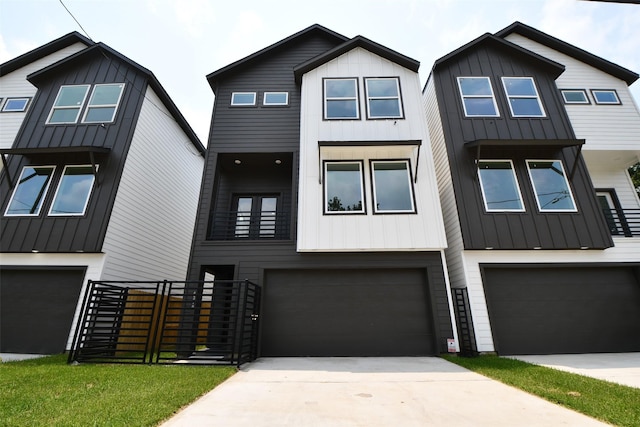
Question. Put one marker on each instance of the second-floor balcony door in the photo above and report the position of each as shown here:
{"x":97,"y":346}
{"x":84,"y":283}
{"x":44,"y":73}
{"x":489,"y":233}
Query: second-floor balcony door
{"x":255,"y":216}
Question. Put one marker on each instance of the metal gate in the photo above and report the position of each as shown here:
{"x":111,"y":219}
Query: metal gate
{"x":198,"y":322}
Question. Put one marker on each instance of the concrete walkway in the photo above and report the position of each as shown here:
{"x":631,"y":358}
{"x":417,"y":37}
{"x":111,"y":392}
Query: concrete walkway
{"x":369,"y":392}
{"x":621,"y":368}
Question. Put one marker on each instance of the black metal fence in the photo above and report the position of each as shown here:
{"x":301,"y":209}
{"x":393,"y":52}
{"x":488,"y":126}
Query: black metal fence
{"x":623,"y":222}
{"x":238,"y":225}
{"x":199,"y":322}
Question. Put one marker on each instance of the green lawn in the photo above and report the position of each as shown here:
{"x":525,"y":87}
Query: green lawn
{"x":608,"y":402}
{"x":49,"y":392}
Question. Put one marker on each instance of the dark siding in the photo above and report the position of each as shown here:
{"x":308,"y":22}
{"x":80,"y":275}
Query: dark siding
{"x":71,"y":234}
{"x":526,"y":230}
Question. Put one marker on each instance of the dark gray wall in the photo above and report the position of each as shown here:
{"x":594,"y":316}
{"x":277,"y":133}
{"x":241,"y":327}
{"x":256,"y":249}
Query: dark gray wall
{"x":522,"y":230}
{"x":70,"y":234}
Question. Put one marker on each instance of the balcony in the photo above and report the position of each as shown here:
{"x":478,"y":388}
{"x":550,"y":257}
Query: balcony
{"x":623,"y":222}
{"x":243,"y":225}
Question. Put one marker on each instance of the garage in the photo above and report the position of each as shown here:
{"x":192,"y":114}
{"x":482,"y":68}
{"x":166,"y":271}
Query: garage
{"x":347,"y":312}
{"x":564,"y":309}
{"x":37,"y":308}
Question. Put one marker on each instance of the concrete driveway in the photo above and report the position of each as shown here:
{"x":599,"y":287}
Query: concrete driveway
{"x":621,"y":368}
{"x":416,"y":391}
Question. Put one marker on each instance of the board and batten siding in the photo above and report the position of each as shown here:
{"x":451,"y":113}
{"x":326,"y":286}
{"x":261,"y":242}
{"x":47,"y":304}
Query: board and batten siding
{"x":15,"y":85}
{"x":605,"y":127}
{"x":149,"y":235}
{"x":390,"y":232}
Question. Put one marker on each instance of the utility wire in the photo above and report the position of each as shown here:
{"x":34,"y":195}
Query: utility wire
{"x":77,"y":22}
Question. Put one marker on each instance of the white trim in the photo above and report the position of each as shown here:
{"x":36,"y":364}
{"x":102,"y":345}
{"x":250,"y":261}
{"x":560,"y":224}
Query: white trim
{"x":368,"y":98}
{"x":86,"y":201}
{"x":343,"y":98}
{"x":264,"y":98}
{"x":114,"y":106}
{"x":44,"y":193}
{"x":234,"y":103}
{"x":509,"y":97}
{"x":463,"y":96}
{"x":409,"y":182}
{"x":67,"y":107}
{"x":564,"y":175}
{"x":515,"y":178}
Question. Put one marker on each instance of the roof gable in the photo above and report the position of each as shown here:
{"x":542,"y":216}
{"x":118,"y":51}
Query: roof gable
{"x":349,"y":45}
{"x":314,"y":30}
{"x":42,"y":51}
{"x":582,"y":55}
{"x":509,"y":48}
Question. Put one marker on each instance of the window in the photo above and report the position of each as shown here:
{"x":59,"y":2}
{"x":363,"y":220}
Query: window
{"x":383,"y":98}
{"x":477,"y":97}
{"x":103,"y":103}
{"x":341,"y":99}
{"x":30,"y":191}
{"x":499,"y":186}
{"x":243,"y":98}
{"x":574,"y":96}
{"x":343,"y":187}
{"x":550,"y":185}
{"x":605,"y":96}
{"x":276,"y":98}
{"x":392,"y":189}
{"x":255,"y":216}
{"x":68,"y":103}
{"x":523,"y":97}
{"x":15,"y":105}
{"x":73,"y":191}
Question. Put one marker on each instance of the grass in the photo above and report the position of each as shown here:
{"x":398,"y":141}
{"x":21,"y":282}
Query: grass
{"x":47,"y":391}
{"x":608,"y":402}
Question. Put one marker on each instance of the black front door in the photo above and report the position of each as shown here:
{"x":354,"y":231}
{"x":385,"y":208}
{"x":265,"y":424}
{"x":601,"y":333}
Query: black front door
{"x":255,"y":216}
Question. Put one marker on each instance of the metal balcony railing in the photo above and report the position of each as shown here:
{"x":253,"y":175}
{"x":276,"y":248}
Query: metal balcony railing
{"x":239,"y":225}
{"x":623,"y":222}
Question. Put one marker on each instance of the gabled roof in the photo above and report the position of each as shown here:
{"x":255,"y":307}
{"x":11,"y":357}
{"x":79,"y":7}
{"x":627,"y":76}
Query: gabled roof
{"x":568,"y":49}
{"x":512,"y":49}
{"x":355,"y":42}
{"x":101,"y":49}
{"x":42,"y":51}
{"x":244,"y":62}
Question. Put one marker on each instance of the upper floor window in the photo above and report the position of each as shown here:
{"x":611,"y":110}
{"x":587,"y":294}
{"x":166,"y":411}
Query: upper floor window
{"x":73,"y":191}
{"x":15,"y":105}
{"x":550,"y":186}
{"x":499,"y":186}
{"x":341,"y":99}
{"x":574,"y":96}
{"x":275,"y":98}
{"x":30,"y":191}
{"x":243,"y":98}
{"x":605,"y":96}
{"x":392,"y":189}
{"x":524,"y":100}
{"x":383,"y":98}
{"x":477,"y":95}
{"x":103,"y":103}
{"x":343,"y":187}
{"x":68,"y":104}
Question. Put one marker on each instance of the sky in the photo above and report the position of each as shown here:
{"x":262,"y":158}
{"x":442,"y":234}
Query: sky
{"x":181,"y":41}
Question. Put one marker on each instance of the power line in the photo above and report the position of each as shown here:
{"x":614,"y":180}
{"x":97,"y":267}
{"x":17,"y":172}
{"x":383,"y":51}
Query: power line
{"x":77,"y":22}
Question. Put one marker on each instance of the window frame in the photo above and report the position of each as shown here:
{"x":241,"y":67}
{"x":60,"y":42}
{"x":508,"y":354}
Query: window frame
{"x":59,"y":185}
{"x":586,"y":101}
{"x":54,"y":108}
{"x":536,"y":97}
{"x":515,"y":180}
{"x":325,"y":185}
{"x":275,"y":104}
{"x":27,"y":101}
{"x":613,"y":91}
{"x":369,"y":98}
{"x":463,"y":96}
{"x":44,"y":192}
{"x":235,"y":104}
{"x":541,"y":209}
{"x":325,"y":99}
{"x":115,"y":106}
{"x":377,"y":211}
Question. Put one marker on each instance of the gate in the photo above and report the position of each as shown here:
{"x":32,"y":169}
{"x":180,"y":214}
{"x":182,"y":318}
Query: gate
{"x":198,"y":322}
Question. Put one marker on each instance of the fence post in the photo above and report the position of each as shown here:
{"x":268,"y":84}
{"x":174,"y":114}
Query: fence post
{"x":80,"y":322}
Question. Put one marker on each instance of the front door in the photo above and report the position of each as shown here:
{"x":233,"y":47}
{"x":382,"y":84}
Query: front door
{"x":255,"y":216}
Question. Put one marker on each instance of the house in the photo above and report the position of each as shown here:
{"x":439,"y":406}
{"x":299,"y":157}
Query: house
{"x":100,"y":181}
{"x":532,"y":138}
{"x":319,"y":186}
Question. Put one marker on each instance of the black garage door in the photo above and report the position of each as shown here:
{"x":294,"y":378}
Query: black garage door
{"x":346,"y":313}
{"x":563,"y":310}
{"x":36,"y":309}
